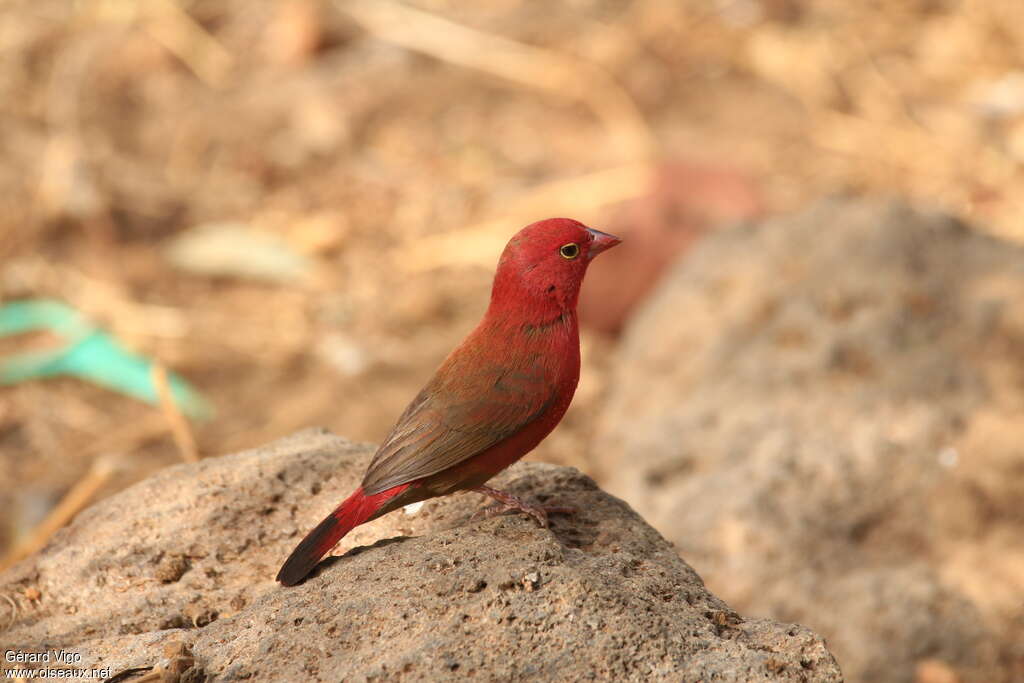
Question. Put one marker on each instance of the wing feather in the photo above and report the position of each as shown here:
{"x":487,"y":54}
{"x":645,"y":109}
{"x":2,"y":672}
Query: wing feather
{"x":469,"y":406}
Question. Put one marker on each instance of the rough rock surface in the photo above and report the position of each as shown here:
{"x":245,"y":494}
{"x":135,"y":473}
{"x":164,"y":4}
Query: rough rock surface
{"x":176,"y":572}
{"x":825,"y":414}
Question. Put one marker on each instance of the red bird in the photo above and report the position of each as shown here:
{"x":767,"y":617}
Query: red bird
{"x":495,"y":397}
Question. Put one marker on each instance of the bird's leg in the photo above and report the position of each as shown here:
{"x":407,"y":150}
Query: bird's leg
{"x":509,"y":502}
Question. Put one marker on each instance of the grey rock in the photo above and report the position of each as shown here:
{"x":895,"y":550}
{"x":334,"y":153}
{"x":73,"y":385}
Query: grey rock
{"x":176,"y":573}
{"x":824,"y":413}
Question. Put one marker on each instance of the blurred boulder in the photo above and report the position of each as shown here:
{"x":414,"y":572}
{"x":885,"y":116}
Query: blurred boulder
{"x":825,"y":414}
{"x":173,"y":578}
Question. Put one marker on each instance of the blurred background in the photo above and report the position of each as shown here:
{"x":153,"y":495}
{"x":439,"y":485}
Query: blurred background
{"x":295,"y":206}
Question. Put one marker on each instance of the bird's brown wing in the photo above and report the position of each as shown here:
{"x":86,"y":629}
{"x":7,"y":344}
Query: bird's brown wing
{"x":454,"y":419}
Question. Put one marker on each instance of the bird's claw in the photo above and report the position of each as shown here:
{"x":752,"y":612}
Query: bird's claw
{"x":507,"y":502}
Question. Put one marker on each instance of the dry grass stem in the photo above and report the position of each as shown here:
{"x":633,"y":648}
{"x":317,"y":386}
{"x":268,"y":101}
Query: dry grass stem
{"x":542,"y":69}
{"x":70,"y":505}
{"x":480,"y":243}
{"x":173,"y":28}
{"x":177,"y":423}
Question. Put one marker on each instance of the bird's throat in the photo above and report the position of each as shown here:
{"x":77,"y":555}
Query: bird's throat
{"x":565,"y":320}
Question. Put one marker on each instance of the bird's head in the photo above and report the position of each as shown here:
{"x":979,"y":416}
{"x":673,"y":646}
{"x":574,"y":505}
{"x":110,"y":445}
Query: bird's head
{"x":543,"y":265}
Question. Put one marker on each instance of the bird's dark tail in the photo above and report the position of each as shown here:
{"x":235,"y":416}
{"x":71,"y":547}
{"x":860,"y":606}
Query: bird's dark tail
{"x":356,"y":509}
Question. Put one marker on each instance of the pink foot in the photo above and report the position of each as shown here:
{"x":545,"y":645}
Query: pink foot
{"x":506,"y":502}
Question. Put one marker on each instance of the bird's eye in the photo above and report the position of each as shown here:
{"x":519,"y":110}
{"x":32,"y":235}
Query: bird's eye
{"x":569,"y":251}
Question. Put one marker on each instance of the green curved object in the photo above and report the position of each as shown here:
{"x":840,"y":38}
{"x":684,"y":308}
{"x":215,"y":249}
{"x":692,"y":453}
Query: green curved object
{"x":91,"y":354}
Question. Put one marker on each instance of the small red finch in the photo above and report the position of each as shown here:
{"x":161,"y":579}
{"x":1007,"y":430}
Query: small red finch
{"x":495,"y":397}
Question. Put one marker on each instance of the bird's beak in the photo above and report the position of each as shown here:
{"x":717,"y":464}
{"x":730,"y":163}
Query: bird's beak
{"x":602,"y":242}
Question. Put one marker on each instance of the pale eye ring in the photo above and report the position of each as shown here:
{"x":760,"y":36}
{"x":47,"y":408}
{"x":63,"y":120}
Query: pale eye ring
{"x":569,"y":251}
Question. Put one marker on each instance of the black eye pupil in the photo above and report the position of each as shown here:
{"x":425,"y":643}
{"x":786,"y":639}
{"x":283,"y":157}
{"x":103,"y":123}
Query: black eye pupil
{"x":570,"y":250}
